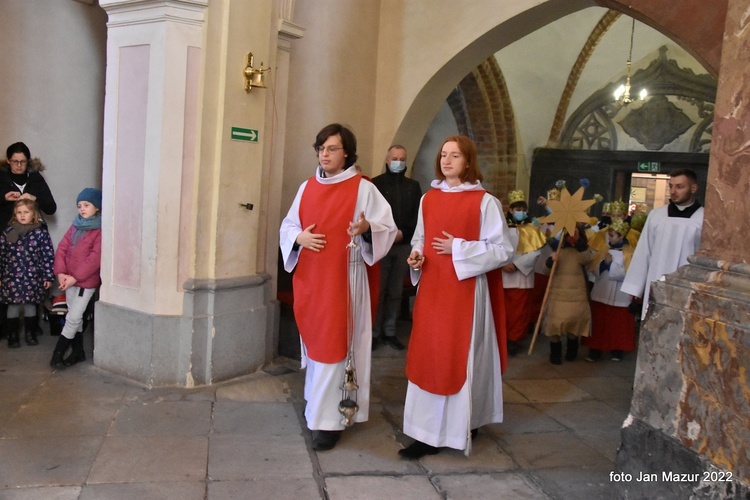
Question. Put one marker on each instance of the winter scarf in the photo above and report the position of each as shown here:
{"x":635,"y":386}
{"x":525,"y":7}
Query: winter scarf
{"x":16,"y":230}
{"x":82,"y":225}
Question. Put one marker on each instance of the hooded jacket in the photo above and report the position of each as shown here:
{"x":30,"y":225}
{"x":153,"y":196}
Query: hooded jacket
{"x":35,"y":185}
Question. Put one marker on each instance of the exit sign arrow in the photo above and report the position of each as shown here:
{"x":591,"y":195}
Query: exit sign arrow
{"x":244,"y":134}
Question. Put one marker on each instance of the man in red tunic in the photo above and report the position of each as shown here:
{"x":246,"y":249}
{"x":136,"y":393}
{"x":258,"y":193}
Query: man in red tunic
{"x":333,"y":208}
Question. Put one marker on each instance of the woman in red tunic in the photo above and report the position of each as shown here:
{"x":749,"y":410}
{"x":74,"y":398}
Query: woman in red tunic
{"x":454,"y":359}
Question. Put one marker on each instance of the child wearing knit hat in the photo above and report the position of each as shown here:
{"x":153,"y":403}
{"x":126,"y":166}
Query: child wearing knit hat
{"x":77,"y":265}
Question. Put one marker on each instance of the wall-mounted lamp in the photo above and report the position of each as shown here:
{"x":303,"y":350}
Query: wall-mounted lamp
{"x":254,"y":76}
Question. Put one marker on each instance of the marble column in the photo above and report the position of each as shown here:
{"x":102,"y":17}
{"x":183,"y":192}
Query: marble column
{"x":182,"y":301}
{"x":690,"y":412}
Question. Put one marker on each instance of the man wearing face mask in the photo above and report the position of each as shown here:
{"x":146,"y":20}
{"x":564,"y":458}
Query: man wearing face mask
{"x":518,"y":276}
{"x":403,"y":195}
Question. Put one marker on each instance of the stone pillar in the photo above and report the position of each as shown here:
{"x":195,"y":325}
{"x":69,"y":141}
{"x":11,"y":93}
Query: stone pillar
{"x":690,"y":412}
{"x":183,"y":301}
{"x":272,"y":180}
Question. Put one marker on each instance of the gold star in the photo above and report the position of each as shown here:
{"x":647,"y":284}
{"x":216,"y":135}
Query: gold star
{"x":567,"y":211}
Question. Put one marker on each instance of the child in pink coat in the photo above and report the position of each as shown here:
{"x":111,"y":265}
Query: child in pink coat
{"x":77,"y":264}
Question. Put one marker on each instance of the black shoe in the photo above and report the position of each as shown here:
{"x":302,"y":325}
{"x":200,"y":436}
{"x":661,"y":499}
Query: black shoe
{"x":325,"y":440}
{"x":555,"y":353}
{"x":594,"y":355}
{"x":58,"y":354}
{"x":11,"y":331}
{"x":77,"y":355}
{"x":617,"y":355}
{"x":30,"y":327}
{"x":418,"y":449}
{"x":394,"y":342}
{"x":572,"y":352}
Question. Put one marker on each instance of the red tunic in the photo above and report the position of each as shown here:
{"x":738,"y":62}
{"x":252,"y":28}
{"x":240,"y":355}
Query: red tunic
{"x":497,"y":299}
{"x":612,"y":327}
{"x":444,"y":307}
{"x":321,"y":278}
{"x":518,"y":312}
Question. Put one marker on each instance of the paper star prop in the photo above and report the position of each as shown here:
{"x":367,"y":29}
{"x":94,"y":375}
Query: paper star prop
{"x":567,"y":211}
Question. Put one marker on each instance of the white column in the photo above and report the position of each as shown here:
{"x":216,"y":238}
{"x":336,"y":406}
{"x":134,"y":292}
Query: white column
{"x":151,"y":117}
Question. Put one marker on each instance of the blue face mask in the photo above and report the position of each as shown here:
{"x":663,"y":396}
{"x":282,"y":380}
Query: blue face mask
{"x":519,"y":216}
{"x":397,"y":166}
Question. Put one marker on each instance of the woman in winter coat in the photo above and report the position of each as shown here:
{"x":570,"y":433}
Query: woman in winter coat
{"x":20,"y":179}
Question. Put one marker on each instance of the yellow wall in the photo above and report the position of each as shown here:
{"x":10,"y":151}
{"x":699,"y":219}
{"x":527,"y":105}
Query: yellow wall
{"x":230,"y":171}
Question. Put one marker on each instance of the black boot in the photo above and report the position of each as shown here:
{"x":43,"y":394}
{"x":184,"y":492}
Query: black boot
{"x":63,"y":343}
{"x":41,"y":315}
{"x":11,"y":330}
{"x":77,"y":355}
{"x":555,"y":353}
{"x":572,"y":352}
{"x":29,"y":330}
{"x":417,"y":450}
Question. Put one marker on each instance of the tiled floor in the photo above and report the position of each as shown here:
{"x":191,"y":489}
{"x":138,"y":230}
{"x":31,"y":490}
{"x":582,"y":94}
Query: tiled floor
{"x":84,"y":433}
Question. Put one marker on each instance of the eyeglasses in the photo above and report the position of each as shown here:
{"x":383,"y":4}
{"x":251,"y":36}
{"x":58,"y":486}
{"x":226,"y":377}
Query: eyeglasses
{"x":17,"y":163}
{"x":330,"y":149}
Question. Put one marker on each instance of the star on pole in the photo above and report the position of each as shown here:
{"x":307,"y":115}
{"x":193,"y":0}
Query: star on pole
{"x":567,"y":211}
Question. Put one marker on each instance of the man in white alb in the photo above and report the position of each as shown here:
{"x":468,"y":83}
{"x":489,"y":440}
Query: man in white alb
{"x":671,"y":234}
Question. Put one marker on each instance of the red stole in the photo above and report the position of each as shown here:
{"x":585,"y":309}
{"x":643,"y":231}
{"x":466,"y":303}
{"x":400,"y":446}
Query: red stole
{"x":321,"y":278}
{"x":444,"y":308}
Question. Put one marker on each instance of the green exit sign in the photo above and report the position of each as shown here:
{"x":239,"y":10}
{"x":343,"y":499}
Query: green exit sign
{"x":649,"y":166}
{"x":244,"y":134}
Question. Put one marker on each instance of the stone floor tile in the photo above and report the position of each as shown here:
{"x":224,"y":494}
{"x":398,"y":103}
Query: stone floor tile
{"x":188,"y":490}
{"x":582,"y":416}
{"x":145,"y":459}
{"x":368,"y":447}
{"x":605,"y":441}
{"x":47,"y":461}
{"x":83,"y":382}
{"x":42,"y":493}
{"x":521,"y":419}
{"x":388,"y":388}
{"x":549,"y":390}
{"x":510,"y":395}
{"x":621,"y":406}
{"x":389,"y":366}
{"x":167,"y":418}
{"x":577,"y":481}
{"x":490,"y":486}
{"x":288,"y":489}
{"x":486,"y":456}
{"x":29,"y":359}
{"x":606,"y":387}
{"x":549,"y":449}
{"x":40,"y":417}
{"x":536,"y":366}
{"x":378,"y":487}
{"x":258,"y":387}
{"x":237,"y":457}
{"x":255,"y":419}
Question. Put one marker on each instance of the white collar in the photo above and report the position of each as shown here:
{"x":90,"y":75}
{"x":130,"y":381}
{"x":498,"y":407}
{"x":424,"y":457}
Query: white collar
{"x":466,"y":186}
{"x":347,"y":174}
